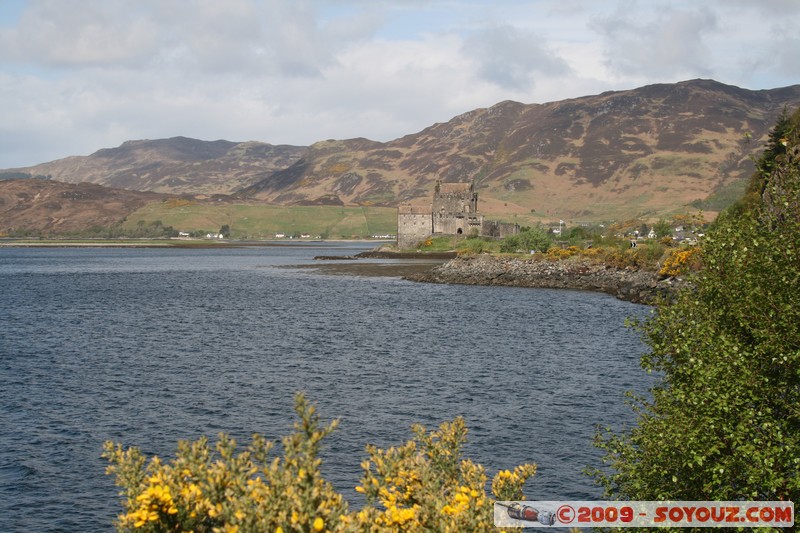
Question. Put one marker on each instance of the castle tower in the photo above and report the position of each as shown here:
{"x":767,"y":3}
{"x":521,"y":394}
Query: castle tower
{"x":454,"y":199}
{"x":455,"y":209}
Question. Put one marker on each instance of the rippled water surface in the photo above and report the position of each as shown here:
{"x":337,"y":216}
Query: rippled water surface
{"x":149,"y":346}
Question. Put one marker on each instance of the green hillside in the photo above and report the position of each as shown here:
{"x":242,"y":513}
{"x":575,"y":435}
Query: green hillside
{"x":260,"y":221}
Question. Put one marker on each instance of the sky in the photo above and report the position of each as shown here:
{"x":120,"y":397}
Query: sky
{"x":80,"y":75}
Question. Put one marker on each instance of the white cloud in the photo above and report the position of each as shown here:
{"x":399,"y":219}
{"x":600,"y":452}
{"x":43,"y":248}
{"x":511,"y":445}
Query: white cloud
{"x":664,"y":42}
{"x":512,"y":59}
{"x":71,"y":33}
{"x":769,"y":8}
{"x":79,"y":75}
{"x":785,"y":54}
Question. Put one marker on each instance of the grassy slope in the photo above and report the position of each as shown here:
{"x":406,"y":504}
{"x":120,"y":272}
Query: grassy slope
{"x":264,"y":221}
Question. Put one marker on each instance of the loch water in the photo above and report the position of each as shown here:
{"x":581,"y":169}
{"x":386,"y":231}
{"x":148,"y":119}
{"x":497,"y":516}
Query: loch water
{"x":148,"y":346}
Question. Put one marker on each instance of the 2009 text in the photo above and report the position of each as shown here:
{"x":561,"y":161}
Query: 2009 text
{"x":649,"y":514}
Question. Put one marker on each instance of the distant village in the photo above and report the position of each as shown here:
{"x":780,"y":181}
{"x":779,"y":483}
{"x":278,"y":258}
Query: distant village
{"x":288,"y":236}
{"x":679,"y":234}
{"x":453,"y":211}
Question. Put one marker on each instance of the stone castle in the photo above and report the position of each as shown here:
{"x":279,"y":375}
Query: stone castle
{"x":454,"y":211}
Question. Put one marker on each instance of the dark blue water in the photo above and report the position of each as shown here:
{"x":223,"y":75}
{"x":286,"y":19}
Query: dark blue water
{"x":149,"y":346}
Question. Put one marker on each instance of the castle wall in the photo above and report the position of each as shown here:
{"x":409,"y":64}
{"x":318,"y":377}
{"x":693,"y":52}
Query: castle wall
{"x":493,"y":228}
{"x":457,"y":225}
{"x":414,"y":224}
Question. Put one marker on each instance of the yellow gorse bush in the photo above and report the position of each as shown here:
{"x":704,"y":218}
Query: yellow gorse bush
{"x":555,"y":253}
{"x":507,"y":485}
{"x":424,"y":484}
{"x":681,"y":261}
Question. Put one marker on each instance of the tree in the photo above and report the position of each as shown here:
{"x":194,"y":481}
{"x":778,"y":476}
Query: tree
{"x":776,"y":147}
{"x":577,"y":234}
{"x":527,"y":239}
{"x":535,"y":239}
{"x":662,"y":228}
{"x":774,"y":151}
{"x":725,"y":422}
{"x":225,"y":230}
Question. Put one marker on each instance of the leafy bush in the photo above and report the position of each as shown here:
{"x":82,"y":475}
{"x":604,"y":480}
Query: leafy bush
{"x":620,"y":257}
{"x":422,"y":485}
{"x":511,"y":244}
{"x":725,"y":424}
{"x":527,"y":239}
{"x":645,"y":256}
{"x":535,"y":239}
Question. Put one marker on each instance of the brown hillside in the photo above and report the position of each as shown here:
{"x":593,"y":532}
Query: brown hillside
{"x":52,"y":207}
{"x":178,"y":165}
{"x":643,"y":152}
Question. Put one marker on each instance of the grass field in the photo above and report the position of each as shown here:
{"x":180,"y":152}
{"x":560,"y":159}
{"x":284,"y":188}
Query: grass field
{"x":56,"y":242}
{"x":258,"y":221}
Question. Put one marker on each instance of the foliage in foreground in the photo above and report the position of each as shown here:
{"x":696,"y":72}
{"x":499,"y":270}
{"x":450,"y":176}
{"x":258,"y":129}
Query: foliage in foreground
{"x":422,"y":485}
{"x":725,"y":424}
{"x":664,"y":257}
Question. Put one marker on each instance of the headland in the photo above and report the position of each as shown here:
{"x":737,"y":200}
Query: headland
{"x":634,"y":285}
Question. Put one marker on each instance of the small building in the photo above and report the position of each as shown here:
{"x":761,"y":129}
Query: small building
{"x":453,"y":211}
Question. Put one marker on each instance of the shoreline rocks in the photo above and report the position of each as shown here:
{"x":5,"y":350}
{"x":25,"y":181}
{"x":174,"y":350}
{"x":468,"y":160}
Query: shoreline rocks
{"x":389,"y":254}
{"x":637,"y":286}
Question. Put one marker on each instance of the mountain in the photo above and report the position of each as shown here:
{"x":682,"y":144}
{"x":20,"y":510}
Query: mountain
{"x":644,"y":152}
{"x":178,"y":165}
{"x":641,"y":152}
{"x":39,"y":206}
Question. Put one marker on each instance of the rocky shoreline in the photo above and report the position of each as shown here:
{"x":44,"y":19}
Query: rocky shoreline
{"x":636,"y":286}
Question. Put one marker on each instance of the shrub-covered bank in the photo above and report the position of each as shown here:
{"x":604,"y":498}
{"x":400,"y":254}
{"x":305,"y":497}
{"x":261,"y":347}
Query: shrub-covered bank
{"x":724,"y":424}
{"x":639,"y":286}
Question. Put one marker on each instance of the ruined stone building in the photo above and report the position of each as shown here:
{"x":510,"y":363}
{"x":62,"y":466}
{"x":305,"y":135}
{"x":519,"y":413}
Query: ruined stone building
{"x":454,"y":211}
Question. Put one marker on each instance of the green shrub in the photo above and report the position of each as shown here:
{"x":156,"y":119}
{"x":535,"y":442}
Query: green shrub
{"x":527,"y":239}
{"x":725,"y":423}
{"x":511,"y":244}
{"x":424,"y":485}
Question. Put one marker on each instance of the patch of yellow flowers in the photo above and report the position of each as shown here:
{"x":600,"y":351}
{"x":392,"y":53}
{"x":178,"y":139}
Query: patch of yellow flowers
{"x":424,"y":484}
{"x":555,"y":253}
{"x":680,"y":261}
{"x":152,"y":504}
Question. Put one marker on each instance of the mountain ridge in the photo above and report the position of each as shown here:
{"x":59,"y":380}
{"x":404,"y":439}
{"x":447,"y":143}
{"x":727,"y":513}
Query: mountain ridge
{"x":645,"y":151}
{"x":642,"y":152}
{"x":177,"y":165}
